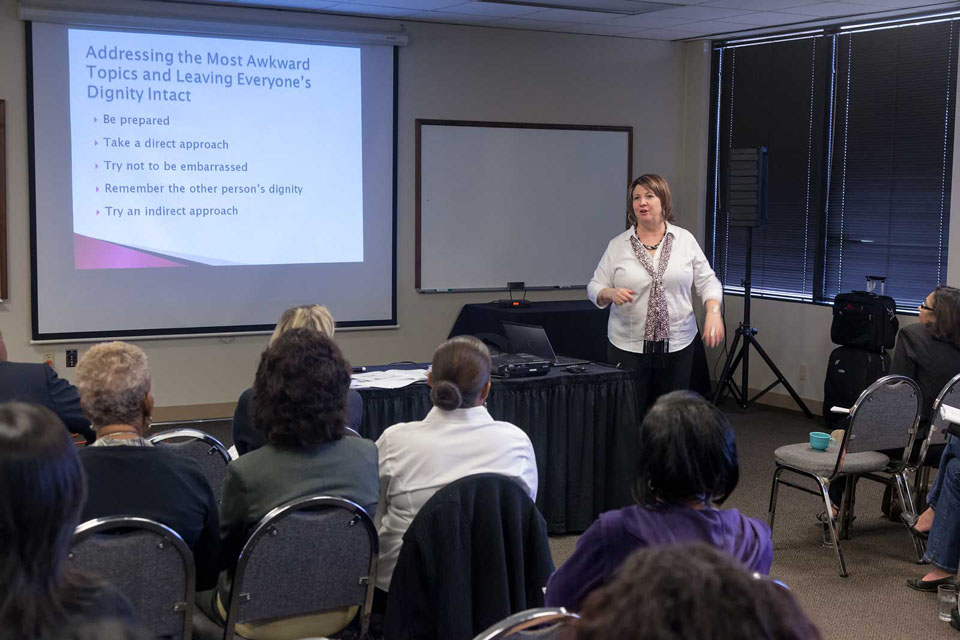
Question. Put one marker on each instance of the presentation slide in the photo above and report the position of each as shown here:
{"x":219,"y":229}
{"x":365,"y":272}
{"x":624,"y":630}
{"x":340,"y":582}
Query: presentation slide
{"x":216,"y":179}
{"x":160,"y":167}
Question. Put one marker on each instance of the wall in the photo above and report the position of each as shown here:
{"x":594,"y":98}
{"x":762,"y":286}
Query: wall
{"x":445,"y":72}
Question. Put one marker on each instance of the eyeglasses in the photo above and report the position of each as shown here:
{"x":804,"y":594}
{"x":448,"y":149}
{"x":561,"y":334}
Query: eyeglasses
{"x":924,"y":306}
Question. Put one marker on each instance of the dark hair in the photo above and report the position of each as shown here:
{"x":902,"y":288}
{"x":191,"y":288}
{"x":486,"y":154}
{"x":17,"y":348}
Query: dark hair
{"x":946,"y":314}
{"x":300,"y":393}
{"x":660,"y":188}
{"x":461,"y":368}
{"x":690,"y":592}
{"x":687,"y":452}
{"x":44,"y":490}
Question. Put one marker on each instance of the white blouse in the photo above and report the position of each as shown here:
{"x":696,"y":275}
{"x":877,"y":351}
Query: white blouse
{"x":419,"y":458}
{"x":620,"y":267}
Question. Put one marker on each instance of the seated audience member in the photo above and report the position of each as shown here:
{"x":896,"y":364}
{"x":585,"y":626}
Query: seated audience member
{"x":247,"y":435}
{"x":457,"y":438}
{"x":688,"y":466}
{"x":691,"y":592}
{"x":38,"y":383}
{"x":927,"y":351}
{"x":301,"y":389}
{"x":43,"y":490}
{"x":126,"y":475}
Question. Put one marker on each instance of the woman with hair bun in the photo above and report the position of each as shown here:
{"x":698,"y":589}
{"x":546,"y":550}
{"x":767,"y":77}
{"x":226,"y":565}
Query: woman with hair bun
{"x":457,"y":438}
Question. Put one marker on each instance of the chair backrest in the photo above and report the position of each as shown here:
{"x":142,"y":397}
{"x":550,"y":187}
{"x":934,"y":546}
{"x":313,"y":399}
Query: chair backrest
{"x":885,"y":416}
{"x":147,"y":562}
{"x":950,"y":396}
{"x":310,"y":555}
{"x":542,"y":623}
{"x":475,"y":553}
{"x":209,"y":452}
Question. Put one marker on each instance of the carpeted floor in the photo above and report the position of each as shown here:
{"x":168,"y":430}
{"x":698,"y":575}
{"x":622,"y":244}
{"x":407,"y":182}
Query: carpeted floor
{"x":873,"y":603}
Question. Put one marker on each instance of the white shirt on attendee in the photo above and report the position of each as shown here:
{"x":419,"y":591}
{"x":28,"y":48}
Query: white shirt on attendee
{"x":419,"y":458}
{"x":688,"y":268}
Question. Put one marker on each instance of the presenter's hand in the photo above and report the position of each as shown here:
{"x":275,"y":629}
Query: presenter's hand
{"x":713,"y":330}
{"x":618,"y":296}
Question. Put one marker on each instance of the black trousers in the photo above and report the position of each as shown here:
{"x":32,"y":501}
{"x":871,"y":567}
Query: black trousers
{"x":656,"y":374}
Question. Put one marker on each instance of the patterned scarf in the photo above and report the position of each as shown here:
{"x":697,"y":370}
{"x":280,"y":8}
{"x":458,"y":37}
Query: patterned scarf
{"x":658,"y":320}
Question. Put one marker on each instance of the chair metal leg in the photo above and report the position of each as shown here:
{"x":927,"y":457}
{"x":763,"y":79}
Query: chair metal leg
{"x":921,"y":480}
{"x":907,"y":503}
{"x":832,"y":526}
{"x":774,"y":489}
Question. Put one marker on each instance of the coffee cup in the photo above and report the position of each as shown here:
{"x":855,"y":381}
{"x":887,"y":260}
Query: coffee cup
{"x":820,"y":440}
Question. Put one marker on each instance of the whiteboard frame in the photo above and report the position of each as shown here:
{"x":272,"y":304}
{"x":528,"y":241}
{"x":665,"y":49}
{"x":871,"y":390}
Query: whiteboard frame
{"x":421,"y":122}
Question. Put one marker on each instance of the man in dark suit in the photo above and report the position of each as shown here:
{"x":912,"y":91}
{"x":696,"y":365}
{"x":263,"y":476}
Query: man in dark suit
{"x":38,"y":383}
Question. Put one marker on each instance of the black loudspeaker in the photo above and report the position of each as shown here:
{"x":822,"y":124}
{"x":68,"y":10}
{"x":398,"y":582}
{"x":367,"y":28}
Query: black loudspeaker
{"x":747,"y":187}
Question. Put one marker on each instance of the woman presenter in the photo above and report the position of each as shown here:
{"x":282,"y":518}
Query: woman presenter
{"x":647,"y":272}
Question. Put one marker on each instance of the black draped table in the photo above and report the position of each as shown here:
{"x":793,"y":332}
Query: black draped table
{"x":583,"y":428}
{"x":576,"y":328}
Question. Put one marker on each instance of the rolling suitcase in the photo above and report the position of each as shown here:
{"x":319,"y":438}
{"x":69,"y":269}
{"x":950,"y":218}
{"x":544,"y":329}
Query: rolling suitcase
{"x":850,"y":371}
{"x":864,"y":320}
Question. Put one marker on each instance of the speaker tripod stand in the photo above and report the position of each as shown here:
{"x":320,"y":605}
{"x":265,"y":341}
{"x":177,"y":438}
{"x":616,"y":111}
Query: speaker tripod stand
{"x":745,"y":337}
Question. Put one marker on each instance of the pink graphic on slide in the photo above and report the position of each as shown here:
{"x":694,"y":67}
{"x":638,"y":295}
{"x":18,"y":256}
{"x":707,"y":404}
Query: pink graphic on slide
{"x":90,"y":253}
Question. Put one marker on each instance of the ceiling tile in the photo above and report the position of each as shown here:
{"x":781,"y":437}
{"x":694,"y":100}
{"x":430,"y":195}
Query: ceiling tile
{"x":716,"y":27}
{"x":454,"y":18}
{"x":535,"y":25}
{"x":598,"y":29}
{"x":757,"y":5}
{"x":769,"y":19}
{"x":661,"y":34}
{"x":567,"y":15}
{"x":830,"y":9}
{"x":695,"y":13}
{"x":879,"y":5}
{"x":492,"y":9}
{"x":646,"y":21}
{"x":370,"y":10}
{"x":410,"y":5}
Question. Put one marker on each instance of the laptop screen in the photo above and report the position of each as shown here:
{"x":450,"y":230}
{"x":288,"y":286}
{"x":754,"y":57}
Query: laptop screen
{"x":529,"y":338}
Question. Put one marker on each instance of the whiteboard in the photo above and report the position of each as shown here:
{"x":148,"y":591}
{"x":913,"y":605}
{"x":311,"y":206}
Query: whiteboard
{"x":499,"y":202}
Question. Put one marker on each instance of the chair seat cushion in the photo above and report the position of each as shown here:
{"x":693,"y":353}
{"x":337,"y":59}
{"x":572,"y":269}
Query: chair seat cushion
{"x":803,"y":456}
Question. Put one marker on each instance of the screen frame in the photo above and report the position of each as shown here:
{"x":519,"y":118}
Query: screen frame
{"x":184,"y":332}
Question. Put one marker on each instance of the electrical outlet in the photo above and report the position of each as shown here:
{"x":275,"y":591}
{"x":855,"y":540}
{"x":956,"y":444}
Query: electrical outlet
{"x":48,"y":357}
{"x":71,"y":357}
{"x":803,"y":371}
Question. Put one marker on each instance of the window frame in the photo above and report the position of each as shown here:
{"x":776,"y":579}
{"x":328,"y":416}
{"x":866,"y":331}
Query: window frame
{"x":713,"y":196}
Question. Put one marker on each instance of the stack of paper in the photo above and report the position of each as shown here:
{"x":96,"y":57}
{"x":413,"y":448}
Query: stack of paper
{"x":392,"y":379}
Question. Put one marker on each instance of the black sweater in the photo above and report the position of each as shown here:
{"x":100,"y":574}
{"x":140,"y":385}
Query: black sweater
{"x":152,"y":483}
{"x":929,"y":361}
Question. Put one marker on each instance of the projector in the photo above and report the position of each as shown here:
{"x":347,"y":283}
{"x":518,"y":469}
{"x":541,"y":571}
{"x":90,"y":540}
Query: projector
{"x":519,"y":365}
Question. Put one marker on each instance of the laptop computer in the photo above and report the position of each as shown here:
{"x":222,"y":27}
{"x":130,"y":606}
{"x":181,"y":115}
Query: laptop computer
{"x":531,"y":338}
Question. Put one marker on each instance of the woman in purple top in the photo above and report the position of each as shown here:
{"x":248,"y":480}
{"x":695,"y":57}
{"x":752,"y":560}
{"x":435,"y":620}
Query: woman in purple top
{"x":688,"y":465}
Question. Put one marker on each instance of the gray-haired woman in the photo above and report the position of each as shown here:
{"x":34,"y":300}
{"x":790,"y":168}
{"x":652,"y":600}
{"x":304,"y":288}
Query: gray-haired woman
{"x":128,"y":476}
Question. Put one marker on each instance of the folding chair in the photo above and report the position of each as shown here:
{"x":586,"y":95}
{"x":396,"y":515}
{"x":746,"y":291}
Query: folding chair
{"x":542,"y":623}
{"x":310,"y":555}
{"x":884,"y":417}
{"x":200,"y":446}
{"x":147,"y":562}
{"x":949,"y":395}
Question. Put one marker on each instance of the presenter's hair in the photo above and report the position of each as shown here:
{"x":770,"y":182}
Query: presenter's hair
{"x":113,"y":379}
{"x":460,"y":369}
{"x":946,"y":314}
{"x":688,"y":592}
{"x":687,"y":452}
{"x":44,"y":490}
{"x":300,"y":392}
{"x":659,"y":187}
{"x":311,"y":316}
